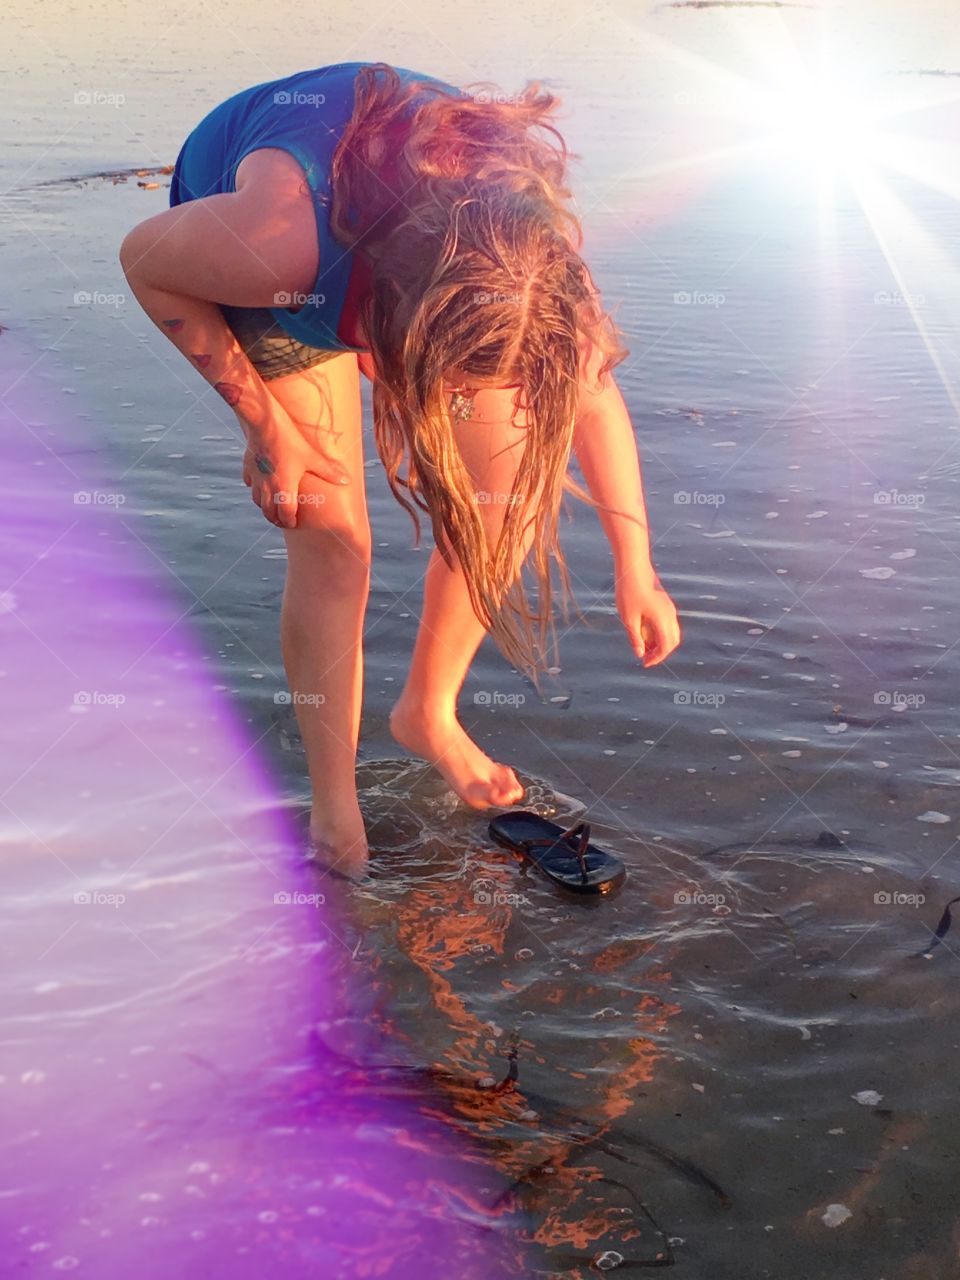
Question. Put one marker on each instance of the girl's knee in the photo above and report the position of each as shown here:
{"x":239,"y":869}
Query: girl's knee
{"x":332,"y":550}
{"x":322,"y":505}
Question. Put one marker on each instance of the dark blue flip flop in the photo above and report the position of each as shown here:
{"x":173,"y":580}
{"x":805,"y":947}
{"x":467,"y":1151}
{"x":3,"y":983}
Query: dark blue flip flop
{"x":565,"y":856}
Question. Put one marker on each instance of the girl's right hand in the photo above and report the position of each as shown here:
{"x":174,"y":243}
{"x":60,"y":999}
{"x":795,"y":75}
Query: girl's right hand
{"x":274,"y":464}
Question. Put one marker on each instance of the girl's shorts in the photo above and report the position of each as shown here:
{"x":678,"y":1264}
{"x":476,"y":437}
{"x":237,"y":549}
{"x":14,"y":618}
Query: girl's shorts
{"x":272,"y":352}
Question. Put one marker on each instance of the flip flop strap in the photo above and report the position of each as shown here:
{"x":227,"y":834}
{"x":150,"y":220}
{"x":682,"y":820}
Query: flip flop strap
{"x":577,"y":838}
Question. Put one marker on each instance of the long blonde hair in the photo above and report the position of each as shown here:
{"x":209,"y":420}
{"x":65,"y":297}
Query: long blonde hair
{"x":460,"y":206}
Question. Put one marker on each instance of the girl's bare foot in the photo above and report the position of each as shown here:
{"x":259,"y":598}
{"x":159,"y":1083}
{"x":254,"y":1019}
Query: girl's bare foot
{"x":442,"y":740}
{"x":339,"y":840}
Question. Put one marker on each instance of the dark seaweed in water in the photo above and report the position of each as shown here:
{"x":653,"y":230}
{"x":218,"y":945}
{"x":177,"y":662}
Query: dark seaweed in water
{"x":941,"y":930}
{"x":556,"y":1124}
{"x":827,"y":841}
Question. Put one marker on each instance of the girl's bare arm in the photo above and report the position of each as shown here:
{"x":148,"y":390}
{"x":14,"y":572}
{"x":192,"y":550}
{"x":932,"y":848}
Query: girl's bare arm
{"x":182,"y":262}
{"x":606,"y":449}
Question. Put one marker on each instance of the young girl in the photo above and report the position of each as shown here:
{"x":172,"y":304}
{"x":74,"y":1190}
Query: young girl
{"x":360,"y":217}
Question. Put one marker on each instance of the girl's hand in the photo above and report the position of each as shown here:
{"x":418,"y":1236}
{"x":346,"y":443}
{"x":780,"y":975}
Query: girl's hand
{"x":649,"y":615}
{"x":274,"y":464}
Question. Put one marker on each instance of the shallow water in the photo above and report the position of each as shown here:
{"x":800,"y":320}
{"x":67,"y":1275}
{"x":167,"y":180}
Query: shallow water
{"x":688,"y":1055}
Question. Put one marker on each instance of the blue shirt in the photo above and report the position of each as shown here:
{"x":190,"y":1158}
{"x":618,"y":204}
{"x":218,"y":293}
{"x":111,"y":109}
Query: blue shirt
{"x":305,"y":115}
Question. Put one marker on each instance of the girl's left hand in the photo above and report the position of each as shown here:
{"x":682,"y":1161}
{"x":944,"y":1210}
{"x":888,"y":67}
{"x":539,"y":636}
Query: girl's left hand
{"x":649,"y":616}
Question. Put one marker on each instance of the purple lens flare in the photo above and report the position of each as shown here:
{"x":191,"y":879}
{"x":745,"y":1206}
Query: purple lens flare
{"x":183,"y":999}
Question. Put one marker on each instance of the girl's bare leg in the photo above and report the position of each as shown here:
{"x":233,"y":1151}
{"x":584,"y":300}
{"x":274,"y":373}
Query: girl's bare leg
{"x":324,"y":600}
{"x":424,"y":719}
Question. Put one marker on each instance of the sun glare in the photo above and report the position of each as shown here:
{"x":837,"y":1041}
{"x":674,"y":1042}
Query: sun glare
{"x":825,"y":126}
{"x":795,"y":108}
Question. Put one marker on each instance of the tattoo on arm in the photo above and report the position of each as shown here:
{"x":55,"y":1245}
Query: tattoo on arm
{"x":264,"y":465}
{"x":230,"y":392}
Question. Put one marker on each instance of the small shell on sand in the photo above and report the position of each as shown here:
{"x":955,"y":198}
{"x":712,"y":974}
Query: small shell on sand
{"x":835,"y":1214}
